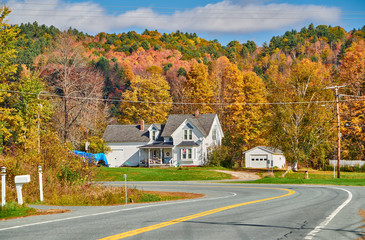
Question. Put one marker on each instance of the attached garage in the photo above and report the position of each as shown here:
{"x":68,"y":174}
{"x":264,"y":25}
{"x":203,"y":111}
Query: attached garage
{"x":264,"y":157}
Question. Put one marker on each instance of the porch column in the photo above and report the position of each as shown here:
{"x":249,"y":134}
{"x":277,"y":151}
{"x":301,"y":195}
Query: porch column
{"x":161,"y":155}
{"x":139,"y":156}
{"x":148,"y":159}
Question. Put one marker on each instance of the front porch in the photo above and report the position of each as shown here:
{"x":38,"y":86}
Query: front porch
{"x":156,"y":154}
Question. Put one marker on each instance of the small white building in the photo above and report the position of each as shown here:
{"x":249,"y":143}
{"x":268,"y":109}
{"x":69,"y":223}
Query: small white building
{"x":183,"y":141}
{"x":264,"y":157}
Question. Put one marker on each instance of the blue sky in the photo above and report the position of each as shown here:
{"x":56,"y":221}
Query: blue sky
{"x":225,"y":20}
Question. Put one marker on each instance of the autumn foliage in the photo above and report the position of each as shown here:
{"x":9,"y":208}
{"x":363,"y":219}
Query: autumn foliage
{"x":275,"y":94}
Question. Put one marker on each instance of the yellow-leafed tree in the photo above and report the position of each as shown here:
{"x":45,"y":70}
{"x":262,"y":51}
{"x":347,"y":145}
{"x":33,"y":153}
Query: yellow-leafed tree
{"x":352,"y":74}
{"x":197,"y":89}
{"x":148,"y":98}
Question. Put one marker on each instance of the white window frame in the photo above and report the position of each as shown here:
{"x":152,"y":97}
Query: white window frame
{"x":153,"y":135}
{"x":188,"y":154}
{"x":188,"y":134}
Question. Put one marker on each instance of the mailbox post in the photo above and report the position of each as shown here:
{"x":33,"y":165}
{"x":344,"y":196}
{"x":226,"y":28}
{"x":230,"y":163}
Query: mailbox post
{"x":3,"y":190}
{"x":19,"y":181}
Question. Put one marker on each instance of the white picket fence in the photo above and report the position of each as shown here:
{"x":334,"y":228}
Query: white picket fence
{"x":350,"y":163}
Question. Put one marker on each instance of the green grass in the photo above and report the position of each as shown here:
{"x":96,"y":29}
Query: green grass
{"x":160,"y":174}
{"x":315,"y":177}
{"x":12,"y":209}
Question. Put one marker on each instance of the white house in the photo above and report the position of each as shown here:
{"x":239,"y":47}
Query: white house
{"x":264,"y":157}
{"x":183,"y":141}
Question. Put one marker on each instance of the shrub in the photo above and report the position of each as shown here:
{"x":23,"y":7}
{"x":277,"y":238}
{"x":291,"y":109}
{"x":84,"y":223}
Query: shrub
{"x":220,"y":156}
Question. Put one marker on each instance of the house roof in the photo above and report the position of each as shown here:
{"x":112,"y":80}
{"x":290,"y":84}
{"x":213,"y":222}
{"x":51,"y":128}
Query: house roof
{"x":158,"y":145}
{"x":188,"y":144}
{"x":203,"y":122}
{"x":267,"y":149}
{"x":128,"y":133}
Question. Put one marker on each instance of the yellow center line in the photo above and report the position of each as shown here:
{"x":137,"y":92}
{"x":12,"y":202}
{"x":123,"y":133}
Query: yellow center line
{"x":183,"y":219}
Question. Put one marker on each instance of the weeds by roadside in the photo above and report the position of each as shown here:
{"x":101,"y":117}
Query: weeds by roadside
{"x":362,"y":214}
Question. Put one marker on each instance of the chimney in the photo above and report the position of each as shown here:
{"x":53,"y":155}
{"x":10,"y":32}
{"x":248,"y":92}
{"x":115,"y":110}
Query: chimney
{"x":141,"y":126}
{"x":196,"y":114}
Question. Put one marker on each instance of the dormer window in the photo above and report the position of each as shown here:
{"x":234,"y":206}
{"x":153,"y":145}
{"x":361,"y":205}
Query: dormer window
{"x":154,"y":135}
{"x":188,"y":134}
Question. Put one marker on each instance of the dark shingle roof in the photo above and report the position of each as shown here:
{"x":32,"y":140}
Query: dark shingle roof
{"x":188,"y":144}
{"x":127,"y":133}
{"x":158,"y":145}
{"x":203,"y":122}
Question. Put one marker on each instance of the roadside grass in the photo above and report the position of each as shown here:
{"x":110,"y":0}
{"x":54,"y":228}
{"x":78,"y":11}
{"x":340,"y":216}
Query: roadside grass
{"x":314,"y":177}
{"x":99,"y":195}
{"x":12,"y":210}
{"x":160,"y":174}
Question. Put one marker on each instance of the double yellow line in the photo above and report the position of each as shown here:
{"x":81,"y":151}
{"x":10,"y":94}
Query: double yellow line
{"x":187,"y":218}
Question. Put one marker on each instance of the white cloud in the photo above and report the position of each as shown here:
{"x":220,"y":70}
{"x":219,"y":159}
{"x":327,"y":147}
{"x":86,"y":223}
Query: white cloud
{"x":227,"y":16}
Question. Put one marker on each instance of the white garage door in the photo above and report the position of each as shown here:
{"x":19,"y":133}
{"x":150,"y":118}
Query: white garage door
{"x":258,"y":161}
{"x":115,"y":158}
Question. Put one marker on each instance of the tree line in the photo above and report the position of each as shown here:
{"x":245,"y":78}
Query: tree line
{"x":75,"y":84}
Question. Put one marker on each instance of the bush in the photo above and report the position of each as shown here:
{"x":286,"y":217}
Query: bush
{"x":356,"y":168}
{"x":220,"y":156}
{"x":61,"y":170}
{"x":97,"y":145}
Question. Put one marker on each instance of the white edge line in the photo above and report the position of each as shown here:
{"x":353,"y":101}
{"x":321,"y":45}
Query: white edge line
{"x":330,"y":217}
{"x":115,"y":211}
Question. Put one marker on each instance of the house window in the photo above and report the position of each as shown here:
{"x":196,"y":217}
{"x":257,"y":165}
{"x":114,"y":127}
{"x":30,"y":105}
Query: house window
{"x":214,"y":134}
{"x":188,"y":134}
{"x":187,"y":153}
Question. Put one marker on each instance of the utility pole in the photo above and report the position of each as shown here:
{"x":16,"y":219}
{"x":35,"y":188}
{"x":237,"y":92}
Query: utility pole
{"x":337,"y":99}
{"x":338,"y":133}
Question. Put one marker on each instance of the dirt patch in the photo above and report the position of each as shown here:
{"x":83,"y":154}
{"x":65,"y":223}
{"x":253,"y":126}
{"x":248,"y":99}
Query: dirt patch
{"x":182,"y":195}
{"x":241,"y":175}
{"x":362,"y":214}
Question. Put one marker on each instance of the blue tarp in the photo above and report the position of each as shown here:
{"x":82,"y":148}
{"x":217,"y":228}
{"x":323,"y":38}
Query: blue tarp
{"x":92,"y":158}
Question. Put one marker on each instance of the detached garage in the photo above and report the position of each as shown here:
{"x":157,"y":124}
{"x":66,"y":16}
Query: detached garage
{"x":264,"y":157}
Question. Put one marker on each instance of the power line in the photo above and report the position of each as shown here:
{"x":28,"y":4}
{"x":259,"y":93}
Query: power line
{"x":180,"y":103}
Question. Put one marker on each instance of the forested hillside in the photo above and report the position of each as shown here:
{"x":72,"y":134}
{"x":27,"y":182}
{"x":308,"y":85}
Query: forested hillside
{"x":276,"y":94}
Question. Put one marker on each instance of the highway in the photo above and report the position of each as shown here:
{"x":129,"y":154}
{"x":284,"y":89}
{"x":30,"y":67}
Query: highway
{"x":227,"y":211}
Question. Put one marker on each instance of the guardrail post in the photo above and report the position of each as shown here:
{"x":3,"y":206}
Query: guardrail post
{"x":125,"y":188}
{"x":40,"y":183}
{"x":3,"y":190}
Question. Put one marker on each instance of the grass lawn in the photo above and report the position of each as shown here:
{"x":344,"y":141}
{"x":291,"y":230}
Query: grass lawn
{"x":12,"y":209}
{"x":160,"y":174}
{"x":315,"y":177}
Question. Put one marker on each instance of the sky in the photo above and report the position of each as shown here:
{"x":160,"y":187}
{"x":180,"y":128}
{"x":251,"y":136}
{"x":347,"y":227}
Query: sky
{"x":224,"y":20}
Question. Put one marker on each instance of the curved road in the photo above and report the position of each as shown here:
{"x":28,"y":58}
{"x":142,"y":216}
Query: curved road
{"x":228,"y":211}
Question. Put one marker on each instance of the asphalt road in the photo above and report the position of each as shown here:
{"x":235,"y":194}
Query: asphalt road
{"x":228,"y":211}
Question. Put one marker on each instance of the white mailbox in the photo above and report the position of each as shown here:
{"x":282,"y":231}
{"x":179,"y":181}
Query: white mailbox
{"x":19,"y":181}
